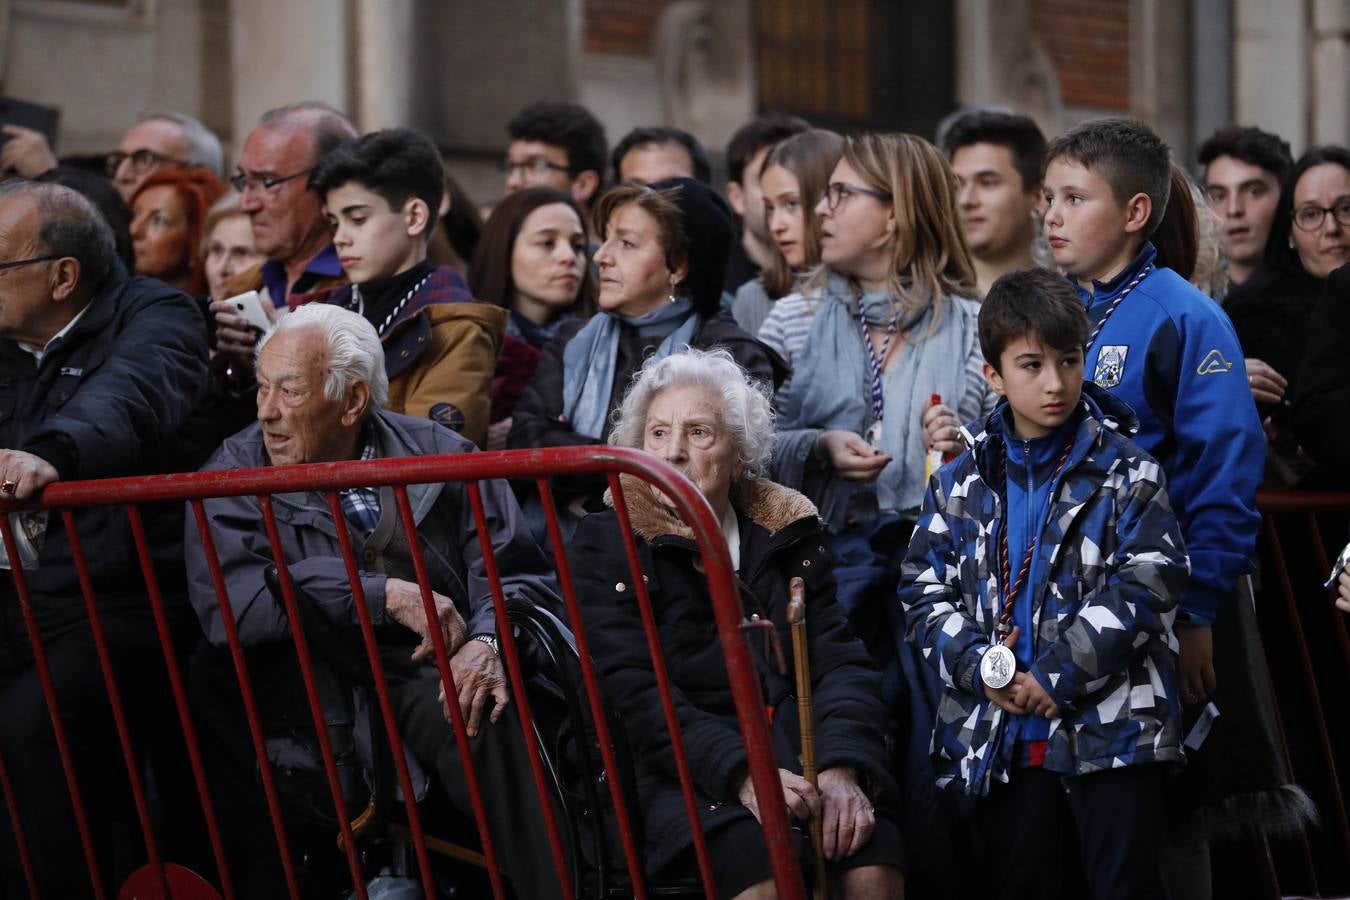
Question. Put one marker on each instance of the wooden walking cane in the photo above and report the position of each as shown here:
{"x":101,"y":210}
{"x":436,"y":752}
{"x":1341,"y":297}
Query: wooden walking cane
{"x":801,"y":663}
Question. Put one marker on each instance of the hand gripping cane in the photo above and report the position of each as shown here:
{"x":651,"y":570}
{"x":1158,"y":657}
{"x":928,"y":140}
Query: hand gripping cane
{"x":801,"y":663}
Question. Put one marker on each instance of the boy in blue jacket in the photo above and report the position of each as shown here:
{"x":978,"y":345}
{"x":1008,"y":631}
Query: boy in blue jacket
{"x":1170,"y":353}
{"x":1041,"y":582}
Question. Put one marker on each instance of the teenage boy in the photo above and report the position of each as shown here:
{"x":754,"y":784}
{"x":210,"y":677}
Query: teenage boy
{"x":1243,"y":171}
{"x":1041,"y":582}
{"x":997,"y":158}
{"x":381,"y":192}
{"x":1170,"y":353}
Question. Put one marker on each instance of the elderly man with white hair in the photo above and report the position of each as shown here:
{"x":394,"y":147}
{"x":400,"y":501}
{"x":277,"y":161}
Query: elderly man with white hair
{"x":321,"y":386}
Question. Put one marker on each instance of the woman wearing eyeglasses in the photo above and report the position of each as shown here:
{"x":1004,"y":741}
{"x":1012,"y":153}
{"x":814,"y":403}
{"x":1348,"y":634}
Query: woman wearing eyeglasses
{"x":886,"y":323}
{"x":1271,"y":311}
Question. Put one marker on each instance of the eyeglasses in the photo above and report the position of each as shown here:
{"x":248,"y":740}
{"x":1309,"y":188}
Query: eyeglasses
{"x":1311,"y":216}
{"x":838,"y":192}
{"x":241,"y":182}
{"x":142,"y":161}
{"x":535,"y":166}
{"x":27,"y":262}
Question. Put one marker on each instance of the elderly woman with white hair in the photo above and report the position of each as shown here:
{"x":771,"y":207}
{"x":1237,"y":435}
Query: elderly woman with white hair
{"x":703,"y":414}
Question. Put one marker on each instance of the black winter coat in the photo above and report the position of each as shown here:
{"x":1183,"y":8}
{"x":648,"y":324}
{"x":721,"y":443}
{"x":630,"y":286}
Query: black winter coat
{"x":781,"y":537}
{"x":1321,"y":417}
{"x":111,"y":398}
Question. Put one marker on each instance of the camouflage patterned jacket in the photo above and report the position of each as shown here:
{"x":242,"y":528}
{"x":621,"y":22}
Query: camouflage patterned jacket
{"x":1113,"y":569}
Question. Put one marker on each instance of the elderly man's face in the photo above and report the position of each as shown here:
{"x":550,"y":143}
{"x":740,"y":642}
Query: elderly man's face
{"x":164,"y":139}
{"x":287,"y":218}
{"x":299,"y":423}
{"x":685,"y":427}
{"x":26,"y":304}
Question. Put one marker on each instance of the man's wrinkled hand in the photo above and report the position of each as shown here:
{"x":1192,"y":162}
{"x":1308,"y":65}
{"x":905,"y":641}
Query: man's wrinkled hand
{"x":847,"y":816}
{"x":403,"y":603}
{"x":29,"y":473}
{"x":803,"y":801}
{"x":26,"y":153}
{"x":478,"y":674}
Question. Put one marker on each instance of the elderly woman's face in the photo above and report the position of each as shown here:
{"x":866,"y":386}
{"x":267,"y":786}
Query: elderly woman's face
{"x":685,"y":427}
{"x":633,"y":276}
{"x":229,"y":251}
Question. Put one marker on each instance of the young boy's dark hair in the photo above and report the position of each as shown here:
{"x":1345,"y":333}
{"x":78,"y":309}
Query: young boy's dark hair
{"x":1032,"y":302}
{"x":760,"y":132}
{"x":1250,"y":145}
{"x":1020,"y":134}
{"x":661,"y":134}
{"x":397,"y":164}
{"x":565,"y":125}
{"x":1126,"y":154}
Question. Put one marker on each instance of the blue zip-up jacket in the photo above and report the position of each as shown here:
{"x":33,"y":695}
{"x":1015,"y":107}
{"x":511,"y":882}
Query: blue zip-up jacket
{"x":1171,"y":354}
{"x":1110,"y":567}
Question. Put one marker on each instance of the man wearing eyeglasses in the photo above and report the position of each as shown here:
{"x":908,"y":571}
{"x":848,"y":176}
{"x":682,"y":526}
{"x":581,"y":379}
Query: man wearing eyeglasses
{"x":99,"y":372}
{"x":289,"y":226}
{"x":557,"y":145}
{"x":159,"y":138}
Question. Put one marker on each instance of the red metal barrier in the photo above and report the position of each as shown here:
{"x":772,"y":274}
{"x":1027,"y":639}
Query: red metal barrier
{"x":1315,"y":645}
{"x":329,"y":479}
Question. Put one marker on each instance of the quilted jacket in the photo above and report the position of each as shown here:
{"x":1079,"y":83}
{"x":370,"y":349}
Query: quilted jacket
{"x":1112,"y":570}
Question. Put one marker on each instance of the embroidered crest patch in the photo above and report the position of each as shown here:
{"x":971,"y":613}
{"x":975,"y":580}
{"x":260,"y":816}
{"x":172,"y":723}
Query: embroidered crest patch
{"x":1110,"y":365}
{"x":1213,"y":364}
{"x":448,"y":414}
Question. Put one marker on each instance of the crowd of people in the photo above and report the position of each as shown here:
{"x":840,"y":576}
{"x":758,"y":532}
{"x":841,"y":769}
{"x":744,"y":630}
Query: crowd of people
{"x":1002,"y":402}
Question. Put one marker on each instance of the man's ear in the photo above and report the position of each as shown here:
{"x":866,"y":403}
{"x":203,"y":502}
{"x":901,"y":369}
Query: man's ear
{"x":585,"y":185}
{"x":1137,"y":212}
{"x":65,"y":274}
{"x":416,"y":216}
{"x":995,"y":380}
{"x":736,"y":197}
{"x":358,"y":399}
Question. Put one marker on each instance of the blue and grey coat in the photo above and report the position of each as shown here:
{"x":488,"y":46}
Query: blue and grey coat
{"x":1110,"y":571}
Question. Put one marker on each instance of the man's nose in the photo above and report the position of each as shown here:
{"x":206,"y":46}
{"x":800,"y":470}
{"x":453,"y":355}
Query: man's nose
{"x":515,"y":178}
{"x":1234,"y":207}
{"x":966,"y":195}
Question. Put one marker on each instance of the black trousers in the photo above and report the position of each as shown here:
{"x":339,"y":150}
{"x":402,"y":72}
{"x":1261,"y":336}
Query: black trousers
{"x":28,"y":746}
{"x":1045,"y":836}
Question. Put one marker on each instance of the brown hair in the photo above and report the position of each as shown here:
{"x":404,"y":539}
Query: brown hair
{"x":662,"y":206}
{"x":490,"y":275}
{"x":811,"y":157}
{"x":930,"y":261}
{"x":1177,"y":236}
{"x":199,"y":188}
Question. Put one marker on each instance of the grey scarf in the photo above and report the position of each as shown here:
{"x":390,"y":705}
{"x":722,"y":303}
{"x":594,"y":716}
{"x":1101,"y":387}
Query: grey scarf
{"x":589,"y":357}
{"x":833,"y":387}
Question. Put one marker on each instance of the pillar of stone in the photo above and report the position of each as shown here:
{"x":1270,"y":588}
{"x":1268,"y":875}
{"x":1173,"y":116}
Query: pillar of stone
{"x":1000,"y":64}
{"x":1159,"y":71}
{"x":1331,"y":72}
{"x":286,"y":51}
{"x":1270,"y":68}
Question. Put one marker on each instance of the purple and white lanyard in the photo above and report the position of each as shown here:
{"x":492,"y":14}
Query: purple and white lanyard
{"x":1120,"y":298}
{"x":878,"y":406}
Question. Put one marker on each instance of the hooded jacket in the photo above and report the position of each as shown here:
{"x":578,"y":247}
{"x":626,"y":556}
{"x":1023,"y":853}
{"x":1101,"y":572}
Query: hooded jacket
{"x":1109,"y":572}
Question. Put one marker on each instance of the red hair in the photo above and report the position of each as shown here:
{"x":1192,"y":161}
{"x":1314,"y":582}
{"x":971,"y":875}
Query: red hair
{"x":199,"y":188}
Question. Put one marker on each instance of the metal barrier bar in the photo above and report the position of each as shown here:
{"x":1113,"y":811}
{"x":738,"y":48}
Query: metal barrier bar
{"x":591,"y":680}
{"x":166,"y":644}
{"x":312,"y":693}
{"x":249,"y":702}
{"x":25,"y":862}
{"x":506,"y":640}
{"x":448,"y":680}
{"x":382,"y":696}
{"x":53,"y":710}
{"x":115,"y":701}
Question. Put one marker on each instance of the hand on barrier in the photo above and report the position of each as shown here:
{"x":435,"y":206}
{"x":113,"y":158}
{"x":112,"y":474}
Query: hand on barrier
{"x":403,"y":603}
{"x":22,"y":474}
{"x":1195,"y":667}
{"x":848,"y":817}
{"x":478,"y":674}
{"x":803,"y":801}
{"x":851,"y":456}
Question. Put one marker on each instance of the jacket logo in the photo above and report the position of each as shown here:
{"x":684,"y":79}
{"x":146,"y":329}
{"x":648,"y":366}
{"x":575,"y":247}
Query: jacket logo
{"x":67,"y":370}
{"x":1110,"y":365}
{"x":447,"y":414}
{"x":1213,"y":364}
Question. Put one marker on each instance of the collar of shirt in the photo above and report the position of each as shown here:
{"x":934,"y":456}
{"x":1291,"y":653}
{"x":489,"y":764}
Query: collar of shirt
{"x":324,"y":265}
{"x":731,"y":533}
{"x":1106,"y":290}
{"x":39,"y":352}
{"x":361,"y":505}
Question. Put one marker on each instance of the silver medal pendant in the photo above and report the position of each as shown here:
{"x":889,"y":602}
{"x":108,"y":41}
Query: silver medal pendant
{"x":997,"y":667}
{"x":873,"y":433}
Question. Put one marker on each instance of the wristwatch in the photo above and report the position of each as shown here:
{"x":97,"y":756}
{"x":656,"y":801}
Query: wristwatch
{"x":489,"y":639}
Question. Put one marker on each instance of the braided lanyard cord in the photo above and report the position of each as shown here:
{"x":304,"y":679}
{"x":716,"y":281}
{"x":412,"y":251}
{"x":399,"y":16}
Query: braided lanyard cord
{"x":358,"y":303}
{"x":1115,"y":304}
{"x":1010,"y":597}
{"x":878,"y":407}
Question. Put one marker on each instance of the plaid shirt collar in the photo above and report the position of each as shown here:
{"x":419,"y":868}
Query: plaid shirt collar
{"x":361,"y":505}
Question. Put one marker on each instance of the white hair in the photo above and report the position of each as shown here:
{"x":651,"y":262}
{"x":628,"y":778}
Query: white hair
{"x":203,"y":147}
{"x":746,"y":406}
{"x":354,"y":349}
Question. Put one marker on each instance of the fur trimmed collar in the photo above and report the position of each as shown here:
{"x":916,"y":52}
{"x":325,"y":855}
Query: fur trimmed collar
{"x":769,"y":505}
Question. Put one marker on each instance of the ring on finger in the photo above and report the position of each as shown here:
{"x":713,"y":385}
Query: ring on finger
{"x":9,"y":486}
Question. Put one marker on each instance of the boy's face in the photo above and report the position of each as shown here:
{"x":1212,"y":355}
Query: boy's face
{"x":1091,"y":235}
{"x":372,"y":240}
{"x":1042,"y":384}
{"x":998,"y":213}
{"x":1245,"y":197}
